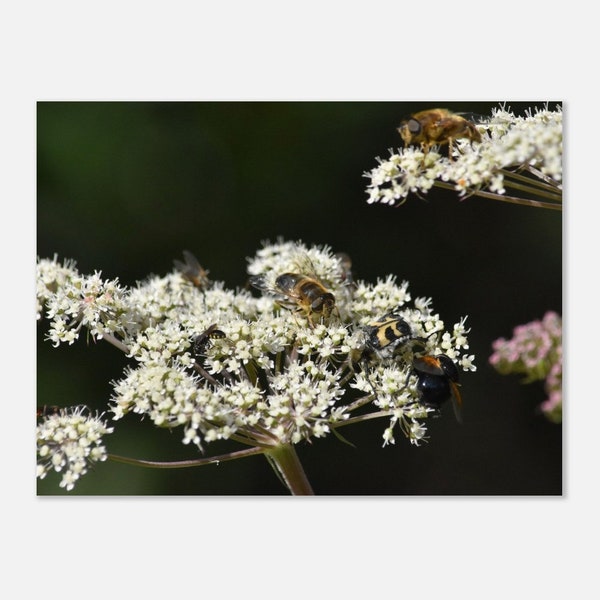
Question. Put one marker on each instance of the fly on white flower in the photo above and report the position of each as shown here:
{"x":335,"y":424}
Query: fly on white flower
{"x":222,"y":364}
{"x":519,"y":153}
{"x":192,"y":270}
{"x":301,"y":293}
{"x":438,"y":382}
{"x":436,"y":127}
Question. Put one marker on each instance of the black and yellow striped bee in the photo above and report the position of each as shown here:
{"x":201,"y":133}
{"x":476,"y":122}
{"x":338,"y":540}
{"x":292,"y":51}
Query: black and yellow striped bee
{"x":304,"y":294}
{"x":438,"y":382}
{"x":192,"y":270}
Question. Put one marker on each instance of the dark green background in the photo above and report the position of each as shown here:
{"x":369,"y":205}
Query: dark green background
{"x":123,"y":187}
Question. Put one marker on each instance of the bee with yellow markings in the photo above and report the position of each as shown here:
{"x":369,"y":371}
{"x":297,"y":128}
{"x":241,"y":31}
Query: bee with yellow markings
{"x":438,"y":382}
{"x":192,"y":270}
{"x":200,"y":346}
{"x":383,"y":336}
{"x":301,"y":293}
{"x":202,"y":340}
{"x":437,"y":126}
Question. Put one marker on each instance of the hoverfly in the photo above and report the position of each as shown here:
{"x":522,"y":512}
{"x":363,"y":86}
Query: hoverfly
{"x":437,"y":126}
{"x":304,"y":294}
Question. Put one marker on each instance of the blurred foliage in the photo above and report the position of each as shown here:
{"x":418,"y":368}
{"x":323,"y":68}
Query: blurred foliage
{"x":124,"y":187}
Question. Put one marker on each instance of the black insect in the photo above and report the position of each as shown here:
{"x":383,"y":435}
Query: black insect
{"x":438,"y":382}
{"x":202,"y":340}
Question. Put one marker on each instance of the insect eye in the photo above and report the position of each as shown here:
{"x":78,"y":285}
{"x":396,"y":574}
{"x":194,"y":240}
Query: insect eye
{"x":414,"y":126}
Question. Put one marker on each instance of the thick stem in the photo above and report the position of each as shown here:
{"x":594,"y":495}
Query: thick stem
{"x":285,"y":460}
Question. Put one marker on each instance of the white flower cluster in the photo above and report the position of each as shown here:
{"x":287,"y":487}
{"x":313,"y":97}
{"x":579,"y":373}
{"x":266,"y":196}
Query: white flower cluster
{"x":73,"y":301}
{"x":68,"y":441}
{"x":50,"y":277}
{"x":534,"y":140}
{"x":295,"y":257}
{"x":510,"y":146}
{"x":265,"y":368}
{"x":408,"y":171}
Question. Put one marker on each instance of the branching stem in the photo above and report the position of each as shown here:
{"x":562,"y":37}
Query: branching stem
{"x":182,"y":464}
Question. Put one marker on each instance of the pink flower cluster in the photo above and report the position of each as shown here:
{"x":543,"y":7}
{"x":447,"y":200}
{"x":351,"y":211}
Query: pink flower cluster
{"x":535,"y":351}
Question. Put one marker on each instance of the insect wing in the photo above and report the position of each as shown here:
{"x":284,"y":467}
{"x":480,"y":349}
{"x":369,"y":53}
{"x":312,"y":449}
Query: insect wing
{"x":475,"y":118}
{"x":456,"y":400}
{"x":192,"y":269}
{"x":259,"y":282}
{"x":429,"y":365}
{"x":282,"y":296}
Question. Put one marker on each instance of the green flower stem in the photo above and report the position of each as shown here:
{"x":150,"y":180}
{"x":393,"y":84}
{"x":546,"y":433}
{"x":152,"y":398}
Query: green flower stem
{"x":283,"y":458}
{"x":111,"y":339}
{"x":548,"y":193}
{"x":360,"y":402}
{"x":252,"y":438}
{"x":285,"y":461}
{"x":543,"y":182}
{"x":503,"y":198}
{"x":182,"y":464}
{"x":549,"y":180}
{"x":365,"y":417}
{"x":200,"y":370}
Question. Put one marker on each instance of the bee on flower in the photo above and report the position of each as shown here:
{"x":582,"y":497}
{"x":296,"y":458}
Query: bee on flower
{"x":308,"y":350}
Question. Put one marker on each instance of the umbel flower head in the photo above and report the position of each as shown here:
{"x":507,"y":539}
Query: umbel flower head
{"x":535,"y":351}
{"x":307,"y":351}
{"x":508,"y":158}
{"x":69,"y":440}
